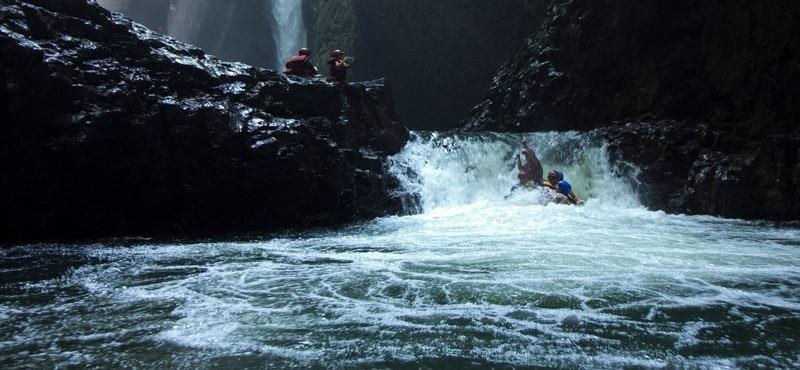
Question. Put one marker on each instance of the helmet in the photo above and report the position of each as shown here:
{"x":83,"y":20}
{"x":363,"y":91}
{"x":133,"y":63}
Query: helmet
{"x":564,"y":187}
{"x":555,"y":174}
{"x":336,"y":52}
{"x":304,"y":51}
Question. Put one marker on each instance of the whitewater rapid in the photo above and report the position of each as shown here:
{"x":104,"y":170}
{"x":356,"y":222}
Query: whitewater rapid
{"x":471,"y":280}
{"x":451,"y":170}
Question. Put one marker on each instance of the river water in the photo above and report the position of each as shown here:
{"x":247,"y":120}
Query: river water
{"x":473,"y":280}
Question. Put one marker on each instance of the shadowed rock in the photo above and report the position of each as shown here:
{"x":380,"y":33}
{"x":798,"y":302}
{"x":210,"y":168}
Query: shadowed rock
{"x":701,"y":95}
{"x":111,"y":129}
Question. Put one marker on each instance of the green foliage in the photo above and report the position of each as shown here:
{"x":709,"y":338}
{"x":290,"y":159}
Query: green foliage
{"x":332,"y":25}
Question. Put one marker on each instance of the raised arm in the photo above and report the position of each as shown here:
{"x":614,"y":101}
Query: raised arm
{"x":535,"y":166}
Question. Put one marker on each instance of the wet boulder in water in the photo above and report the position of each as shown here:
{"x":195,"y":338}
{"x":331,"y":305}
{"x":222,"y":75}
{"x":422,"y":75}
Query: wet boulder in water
{"x":686,"y":167}
{"x":111,"y":129}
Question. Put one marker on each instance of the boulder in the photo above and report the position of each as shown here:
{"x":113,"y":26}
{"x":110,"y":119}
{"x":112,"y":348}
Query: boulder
{"x":684,"y":167}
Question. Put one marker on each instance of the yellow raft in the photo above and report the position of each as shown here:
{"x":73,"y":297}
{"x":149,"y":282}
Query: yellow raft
{"x":574,"y":199}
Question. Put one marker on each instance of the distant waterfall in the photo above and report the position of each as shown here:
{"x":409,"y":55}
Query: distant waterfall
{"x":187,"y":19}
{"x":263,"y":33}
{"x":113,"y":5}
{"x":290,"y":29}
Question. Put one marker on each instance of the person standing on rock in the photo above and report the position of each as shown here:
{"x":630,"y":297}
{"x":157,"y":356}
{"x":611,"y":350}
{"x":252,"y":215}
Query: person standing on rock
{"x":300,"y":65}
{"x":337,"y":67}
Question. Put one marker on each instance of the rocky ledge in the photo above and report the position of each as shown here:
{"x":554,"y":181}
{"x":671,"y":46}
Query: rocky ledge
{"x":110,"y":129}
{"x":701,"y":96}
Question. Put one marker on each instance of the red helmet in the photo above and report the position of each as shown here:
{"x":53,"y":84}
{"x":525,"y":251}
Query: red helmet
{"x":336,"y":52}
{"x":305,"y":51}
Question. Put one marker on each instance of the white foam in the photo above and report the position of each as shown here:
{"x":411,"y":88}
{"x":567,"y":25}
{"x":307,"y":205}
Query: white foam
{"x":474,"y":277}
{"x":448,"y":170}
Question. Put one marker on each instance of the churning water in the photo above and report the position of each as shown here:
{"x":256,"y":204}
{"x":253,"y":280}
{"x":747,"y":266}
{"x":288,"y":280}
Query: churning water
{"x":474,"y":280}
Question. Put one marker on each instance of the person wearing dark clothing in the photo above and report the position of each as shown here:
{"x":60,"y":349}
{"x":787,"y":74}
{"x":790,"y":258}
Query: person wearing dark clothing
{"x":337,"y":67}
{"x":300,"y":65}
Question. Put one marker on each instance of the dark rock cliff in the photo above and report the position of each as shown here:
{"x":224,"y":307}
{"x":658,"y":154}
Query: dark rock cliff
{"x":699,"y":168}
{"x":440,"y":55}
{"x":110,"y":129}
{"x":702,"y":96}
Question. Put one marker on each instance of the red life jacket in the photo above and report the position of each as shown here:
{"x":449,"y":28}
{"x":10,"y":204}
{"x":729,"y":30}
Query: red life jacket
{"x":300,"y":65}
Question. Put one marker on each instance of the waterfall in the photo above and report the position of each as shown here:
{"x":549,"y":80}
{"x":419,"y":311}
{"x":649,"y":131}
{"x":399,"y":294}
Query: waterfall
{"x":290,"y":29}
{"x":445,"y":170}
{"x":232,"y":30}
{"x":186,"y":19}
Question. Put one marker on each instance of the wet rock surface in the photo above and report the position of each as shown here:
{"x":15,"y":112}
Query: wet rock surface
{"x":109,"y":129}
{"x":701,"y":95}
{"x":686,"y":167}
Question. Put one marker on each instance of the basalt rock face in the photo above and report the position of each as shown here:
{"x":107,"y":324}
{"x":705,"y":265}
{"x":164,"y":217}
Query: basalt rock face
{"x":597,"y":61}
{"x":109,"y":129}
{"x":702,"y":95}
{"x":686,"y":167}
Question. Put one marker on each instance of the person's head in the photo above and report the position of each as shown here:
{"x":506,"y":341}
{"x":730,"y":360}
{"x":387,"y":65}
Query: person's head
{"x":337,"y":54}
{"x":304,"y":51}
{"x":564,"y":187}
{"x":554,"y":177}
